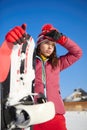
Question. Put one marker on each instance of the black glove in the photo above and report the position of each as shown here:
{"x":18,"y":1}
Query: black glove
{"x":41,"y":98}
{"x":54,"y":34}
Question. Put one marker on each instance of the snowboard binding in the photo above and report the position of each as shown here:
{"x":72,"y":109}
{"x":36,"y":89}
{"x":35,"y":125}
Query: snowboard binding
{"x":27,"y":113}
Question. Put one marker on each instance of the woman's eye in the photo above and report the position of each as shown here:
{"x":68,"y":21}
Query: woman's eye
{"x":46,"y":42}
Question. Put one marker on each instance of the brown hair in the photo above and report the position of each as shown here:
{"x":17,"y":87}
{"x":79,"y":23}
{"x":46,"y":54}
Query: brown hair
{"x":53,"y":59}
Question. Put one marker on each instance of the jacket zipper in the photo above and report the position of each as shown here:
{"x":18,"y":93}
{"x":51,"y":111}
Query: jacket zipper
{"x":43,"y":74}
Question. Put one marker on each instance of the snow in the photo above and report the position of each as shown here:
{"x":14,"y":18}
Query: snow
{"x":76,"y":120}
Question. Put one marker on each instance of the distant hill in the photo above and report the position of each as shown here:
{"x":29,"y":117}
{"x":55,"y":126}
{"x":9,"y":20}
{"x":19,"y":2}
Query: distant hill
{"x":77,"y":95}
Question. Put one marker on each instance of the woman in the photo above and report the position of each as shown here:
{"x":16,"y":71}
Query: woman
{"x":48,"y":68}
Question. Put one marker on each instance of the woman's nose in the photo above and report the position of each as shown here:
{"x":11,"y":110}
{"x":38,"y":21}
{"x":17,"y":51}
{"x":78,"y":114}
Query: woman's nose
{"x":50,"y":46}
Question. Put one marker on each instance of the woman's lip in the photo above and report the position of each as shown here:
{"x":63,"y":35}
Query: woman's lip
{"x":48,"y":51}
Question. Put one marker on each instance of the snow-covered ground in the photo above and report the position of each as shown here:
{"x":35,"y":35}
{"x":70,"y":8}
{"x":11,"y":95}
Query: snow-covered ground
{"x":76,"y":120}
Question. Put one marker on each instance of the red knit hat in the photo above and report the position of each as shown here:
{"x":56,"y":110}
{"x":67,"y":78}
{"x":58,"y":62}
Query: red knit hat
{"x":45,"y":29}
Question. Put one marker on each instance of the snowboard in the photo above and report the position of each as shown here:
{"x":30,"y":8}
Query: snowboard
{"x":16,"y":71}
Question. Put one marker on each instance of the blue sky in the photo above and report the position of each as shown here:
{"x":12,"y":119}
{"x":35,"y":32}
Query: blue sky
{"x":69,"y":17}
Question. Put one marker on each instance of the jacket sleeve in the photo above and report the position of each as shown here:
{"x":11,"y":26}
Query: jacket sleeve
{"x":5,"y":51}
{"x":74,"y":54}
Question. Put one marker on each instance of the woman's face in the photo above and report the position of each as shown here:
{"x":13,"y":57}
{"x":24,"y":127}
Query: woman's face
{"x":47,"y":48}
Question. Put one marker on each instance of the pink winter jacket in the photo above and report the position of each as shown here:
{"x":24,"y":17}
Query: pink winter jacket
{"x":52,"y":76}
{"x":5,"y":52}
